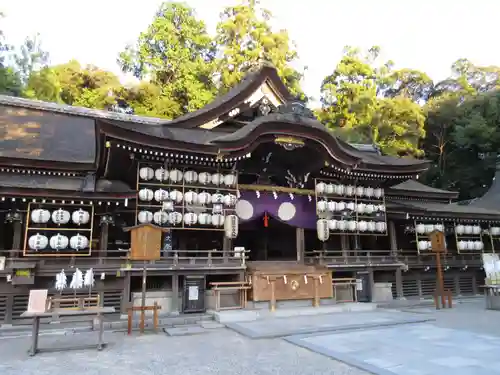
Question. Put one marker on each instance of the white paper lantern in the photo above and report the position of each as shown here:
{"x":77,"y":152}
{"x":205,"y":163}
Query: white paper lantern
{"x":380,"y":226}
{"x":369,"y":208}
{"x":190,"y":218}
{"x":38,"y":242}
{"x":217,"y":179}
{"x":190,"y":177}
{"x":204,"y":198}
{"x":371,"y":226}
{"x":161,"y":195}
{"x":378,"y":193}
{"x":470,"y":245}
{"x":429,"y":228}
{"x":478,"y":245}
{"x":146,"y":195}
{"x":231,"y":226}
{"x":420,"y":228}
{"x":360,"y":191}
{"x":78,"y":242}
{"x":217,"y":209}
{"x":176,"y":196}
{"x":350,"y":190}
{"x":423,"y":245}
{"x":174,"y":218}
{"x":369,"y":192}
{"x":217,"y":198}
{"x":462,"y":245}
{"x":320,"y":188}
{"x":362,"y":226}
{"x":495,"y":231}
{"x":40,"y":216}
{"x":332,"y":206}
{"x":381,"y":208}
{"x":167,"y":206}
{"x":217,"y":220}
{"x":342,"y":225}
{"x":459,"y":229}
{"x":332,"y":224}
{"x":322,"y":230}
{"x":145,"y":217}
{"x":160,"y":217}
{"x":230,"y":200}
{"x":191,"y":197}
{"x":339,"y":189}
{"x":361,"y":208}
{"x":204,"y":219}
{"x":476,"y":229}
{"x":229,"y":180}
{"x":60,"y":216}
{"x":80,"y":217}
{"x":468,"y":229}
{"x":351,"y":206}
{"x":330,"y":189}
{"x":175,"y":176}
{"x":59,"y":242}
{"x":340,"y":206}
{"x":161,"y":174}
{"x":204,"y":178}
{"x":146,"y":173}
{"x":352,"y":225}
{"x":439,"y":227}
{"x":322,"y":206}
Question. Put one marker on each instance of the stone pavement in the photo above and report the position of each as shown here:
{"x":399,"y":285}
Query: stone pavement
{"x":219,"y":351}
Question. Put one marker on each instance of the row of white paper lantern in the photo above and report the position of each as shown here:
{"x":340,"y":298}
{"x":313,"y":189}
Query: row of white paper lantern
{"x":360,"y":208}
{"x":190,"y":197}
{"x":189,"y":177}
{"x":468,"y":229}
{"x":361,"y":226}
{"x":58,"y":242}
{"x":176,"y":218}
{"x":428,"y":228}
{"x":349,"y":190}
{"x":495,"y":231}
{"x":470,"y":245}
{"x":60,"y":216}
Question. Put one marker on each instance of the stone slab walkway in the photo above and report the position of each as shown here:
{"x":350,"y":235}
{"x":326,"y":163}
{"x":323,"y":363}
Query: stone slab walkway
{"x":280,"y":327}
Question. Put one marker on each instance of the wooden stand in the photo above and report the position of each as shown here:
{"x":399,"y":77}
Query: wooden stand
{"x":438,"y":245}
{"x":143,"y":310}
{"x":241,"y":286}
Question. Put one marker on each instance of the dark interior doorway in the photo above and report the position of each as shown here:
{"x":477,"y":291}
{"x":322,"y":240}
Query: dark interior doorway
{"x":277,"y":241}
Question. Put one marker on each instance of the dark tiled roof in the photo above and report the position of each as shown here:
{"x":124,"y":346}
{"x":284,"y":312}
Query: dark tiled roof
{"x":453,"y":209}
{"x":490,"y":199}
{"x":415,"y":186}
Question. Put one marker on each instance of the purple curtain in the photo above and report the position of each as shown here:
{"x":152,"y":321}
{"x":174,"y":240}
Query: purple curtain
{"x":298,"y":212}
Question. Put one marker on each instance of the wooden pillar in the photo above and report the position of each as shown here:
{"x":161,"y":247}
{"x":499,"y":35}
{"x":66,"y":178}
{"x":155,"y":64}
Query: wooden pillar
{"x":106,"y":220}
{"x":474,"y":284}
{"x":226,"y":248}
{"x":419,"y":286}
{"x":371,"y":282}
{"x":9,"y":307}
{"x":15,"y":218}
{"x":399,"y":284}
{"x":175,"y":294}
{"x":392,"y":238}
{"x":456,"y":281}
{"x":300,"y":240}
{"x":344,"y":244}
{"x":126,"y":293}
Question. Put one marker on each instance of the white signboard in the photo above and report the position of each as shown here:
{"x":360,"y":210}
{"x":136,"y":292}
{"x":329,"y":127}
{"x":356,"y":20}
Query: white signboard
{"x":359,"y":284}
{"x":193,"y":293}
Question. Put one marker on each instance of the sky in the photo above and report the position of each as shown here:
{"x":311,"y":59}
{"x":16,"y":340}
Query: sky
{"x":427,"y":35}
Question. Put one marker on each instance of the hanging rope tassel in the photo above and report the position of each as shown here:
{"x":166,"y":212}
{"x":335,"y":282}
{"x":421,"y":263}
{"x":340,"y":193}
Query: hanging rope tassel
{"x":266,"y":220}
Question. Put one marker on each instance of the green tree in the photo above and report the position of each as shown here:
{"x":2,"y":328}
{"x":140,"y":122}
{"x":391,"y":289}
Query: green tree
{"x":245,"y":39}
{"x":10,"y":81}
{"x":31,"y":57}
{"x":175,"y":55}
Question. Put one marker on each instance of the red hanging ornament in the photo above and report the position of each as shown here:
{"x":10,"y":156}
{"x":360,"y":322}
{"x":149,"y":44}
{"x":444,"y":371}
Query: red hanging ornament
{"x":266,"y":220}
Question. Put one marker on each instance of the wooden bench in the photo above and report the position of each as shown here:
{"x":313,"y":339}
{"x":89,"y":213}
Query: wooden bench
{"x":72,"y":303}
{"x":348,"y":283}
{"x":241,"y":286}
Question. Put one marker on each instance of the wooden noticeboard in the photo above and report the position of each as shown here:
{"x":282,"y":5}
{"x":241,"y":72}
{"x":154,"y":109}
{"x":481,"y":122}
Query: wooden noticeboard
{"x":438,"y":241}
{"x":145,"y":241}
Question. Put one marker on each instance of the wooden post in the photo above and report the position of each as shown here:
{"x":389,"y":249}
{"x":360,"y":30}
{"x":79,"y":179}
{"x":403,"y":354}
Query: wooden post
{"x":272,"y":307}
{"x":438,"y":246}
{"x":155,"y":316}
{"x":143,"y":297}
{"x":130,"y":315}
{"x":316,"y":292}
{"x":103,"y":238}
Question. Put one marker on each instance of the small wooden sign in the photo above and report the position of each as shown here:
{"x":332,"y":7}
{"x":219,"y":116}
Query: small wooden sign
{"x":438,"y":241}
{"x":37,"y":302}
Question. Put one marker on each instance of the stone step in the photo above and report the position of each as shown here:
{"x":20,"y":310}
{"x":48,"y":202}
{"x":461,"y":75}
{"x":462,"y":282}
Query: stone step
{"x":264,"y":305}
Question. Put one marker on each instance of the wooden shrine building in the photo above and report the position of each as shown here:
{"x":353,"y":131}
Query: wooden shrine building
{"x":251,"y":187}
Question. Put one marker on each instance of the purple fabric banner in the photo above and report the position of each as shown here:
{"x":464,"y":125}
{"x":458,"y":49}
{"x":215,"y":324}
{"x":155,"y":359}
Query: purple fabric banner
{"x":298,"y":212}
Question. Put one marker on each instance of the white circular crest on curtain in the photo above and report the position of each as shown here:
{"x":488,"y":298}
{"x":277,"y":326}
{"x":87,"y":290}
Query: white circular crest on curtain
{"x":244,"y":209}
{"x":286,"y":211}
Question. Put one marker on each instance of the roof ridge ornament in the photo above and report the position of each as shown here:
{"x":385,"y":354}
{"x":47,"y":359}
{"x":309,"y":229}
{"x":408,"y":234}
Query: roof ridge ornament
{"x":297,"y":109}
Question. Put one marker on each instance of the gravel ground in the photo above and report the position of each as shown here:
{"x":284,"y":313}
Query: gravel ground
{"x":219,"y":351}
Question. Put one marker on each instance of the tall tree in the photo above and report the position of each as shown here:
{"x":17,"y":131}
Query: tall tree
{"x":245,"y":38}
{"x":176,"y":56}
{"x":31,"y":57}
{"x":354,"y":107}
{"x":10,"y":80}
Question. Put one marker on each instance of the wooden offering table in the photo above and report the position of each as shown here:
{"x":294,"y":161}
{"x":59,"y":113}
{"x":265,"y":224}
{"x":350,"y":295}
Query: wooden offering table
{"x":275,"y":281}
{"x":97,"y":312}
